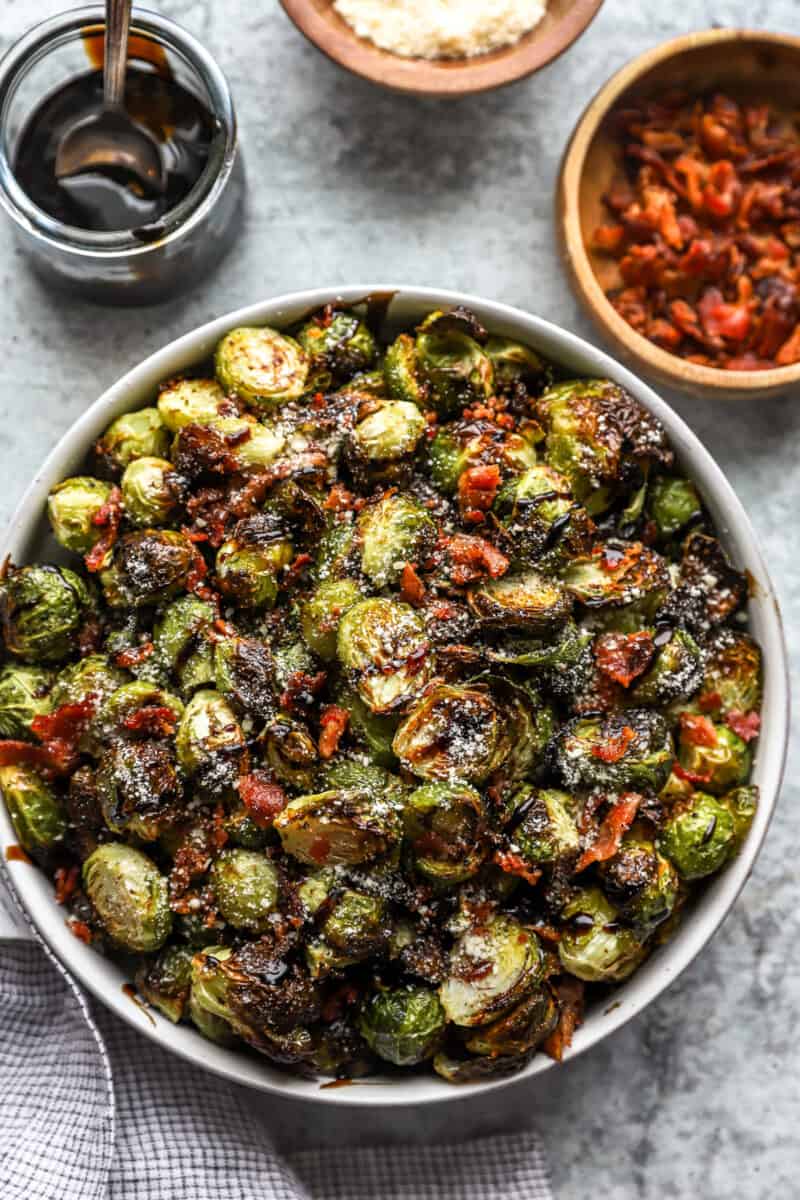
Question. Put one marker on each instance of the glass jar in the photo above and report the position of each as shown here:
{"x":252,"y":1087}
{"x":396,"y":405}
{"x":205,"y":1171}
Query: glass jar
{"x":119,"y":267}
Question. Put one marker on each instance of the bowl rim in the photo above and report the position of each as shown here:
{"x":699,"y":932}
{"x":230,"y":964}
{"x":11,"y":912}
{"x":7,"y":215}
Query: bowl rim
{"x":668,"y":367}
{"x":429,"y":77}
{"x":104,"y":979}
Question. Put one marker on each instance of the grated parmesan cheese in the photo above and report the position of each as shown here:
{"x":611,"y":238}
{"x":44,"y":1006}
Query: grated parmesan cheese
{"x":441,"y":28}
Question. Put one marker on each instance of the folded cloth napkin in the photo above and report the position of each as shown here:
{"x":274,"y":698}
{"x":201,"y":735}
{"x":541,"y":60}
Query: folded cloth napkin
{"x":90,"y":1110}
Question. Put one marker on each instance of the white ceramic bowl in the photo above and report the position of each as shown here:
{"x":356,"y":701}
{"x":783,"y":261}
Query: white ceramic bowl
{"x":27,"y":539}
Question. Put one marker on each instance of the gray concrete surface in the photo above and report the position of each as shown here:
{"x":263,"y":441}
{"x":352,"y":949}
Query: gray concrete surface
{"x":700,"y":1095}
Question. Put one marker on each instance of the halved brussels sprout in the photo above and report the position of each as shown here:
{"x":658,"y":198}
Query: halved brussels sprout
{"x":24,"y":694}
{"x":338,"y":344}
{"x":165,"y":980}
{"x":42,"y":609}
{"x":541,"y":518}
{"x":453,"y":733}
{"x":559,"y":651}
{"x":543,"y":828}
{"x":243,"y":670}
{"x":403,"y":1025}
{"x":322,"y":612}
{"x":618,"y":574}
{"x":337,"y":827}
{"x":129,"y":895}
{"x":250,"y":443}
{"x":291,"y":752}
{"x":672,"y":503}
{"x":383,"y":645}
{"x":181,"y":640}
{"x":732,"y":680}
{"x":531,"y":600}
{"x":375,"y":732}
{"x":353,"y":774}
{"x":476,"y":1068}
{"x":392,"y":532}
{"x":514,"y":362}
{"x":388,"y":433}
{"x":594,"y":946}
{"x":207,"y":1007}
{"x":37,"y":814}
{"x":401,"y":369}
{"x":72,"y":506}
{"x":249,"y":563}
{"x":675,"y":672}
{"x":632,"y":750}
{"x":245,"y":884}
{"x":642,"y":883}
{"x":455,"y":368}
{"x":94,"y":676}
{"x":444,"y":825}
{"x":722,"y":765}
{"x":147,"y":567}
{"x":337,"y":554}
{"x":700,"y":835}
{"x":357,"y":927}
{"x":133,"y":435}
{"x":491,"y":968}
{"x":519,"y":1031}
{"x":190,"y":402}
{"x":261,"y":366}
{"x":118,"y":712}
{"x":459,"y":445}
{"x":209,"y":742}
{"x":147,"y":492}
{"x":140,"y":788}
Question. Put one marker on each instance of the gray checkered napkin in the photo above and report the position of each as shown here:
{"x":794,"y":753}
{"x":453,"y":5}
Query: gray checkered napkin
{"x":90,"y":1110}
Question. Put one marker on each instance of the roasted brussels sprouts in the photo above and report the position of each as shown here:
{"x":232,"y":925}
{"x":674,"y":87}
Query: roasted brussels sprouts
{"x":394,"y":531}
{"x":403,"y":1025}
{"x":338,"y":345}
{"x":444,"y":828}
{"x":119,"y":713}
{"x":519,"y":1031}
{"x":262,"y":367}
{"x":147,"y":491}
{"x":206,"y":1007}
{"x":129,"y":895}
{"x":672,"y":503}
{"x":249,"y":563}
{"x":245,"y":885}
{"x":181,"y":640}
{"x":642,"y":883}
{"x":387,"y":434}
{"x":24,"y":695}
{"x":513,"y":362}
{"x":732,"y":678}
{"x":401,"y":368}
{"x":190,"y":402}
{"x":619,"y":574}
{"x":322,"y":613}
{"x":72,"y":506}
{"x":42,"y":609}
{"x":455,"y":369}
{"x":701,"y":835}
{"x":631,"y":751}
{"x":165,"y":980}
{"x":140,"y":788}
{"x":376,"y":732}
{"x":384,"y":648}
{"x":243,"y":669}
{"x":674,"y":674}
{"x":716,"y":756}
{"x":337,"y":827}
{"x":37,"y":814}
{"x":147,"y":567}
{"x":291,"y":752}
{"x":453,"y":733}
{"x":491,"y":967}
{"x":459,"y":445}
{"x":531,"y":601}
{"x":542,"y":521}
{"x":209,"y":743}
{"x":357,"y":927}
{"x":543,"y":828}
{"x":140,"y":434}
{"x":594,"y":945}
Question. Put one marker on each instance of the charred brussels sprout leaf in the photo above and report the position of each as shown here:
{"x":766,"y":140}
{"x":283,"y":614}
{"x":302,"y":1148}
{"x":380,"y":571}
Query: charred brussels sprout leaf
{"x":181,"y":638}
{"x":36,"y":813}
{"x":594,"y":945}
{"x":337,"y":827}
{"x":444,"y":828}
{"x":454,"y":367}
{"x":453,"y":733}
{"x":72,"y":506}
{"x":631,"y":751}
{"x":514,"y":362}
{"x":148,"y":567}
{"x":245,"y":885}
{"x":338,"y":345}
{"x":129,"y":895}
{"x":395,"y":531}
{"x":134,"y":435}
{"x":519,"y":1031}
{"x":42,"y":609}
{"x":675,"y":673}
{"x":376,"y":732}
{"x":24,"y":694}
{"x":250,"y":562}
{"x":384,"y":648}
{"x":147,"y":491}
{"x":403,"y":1025}
{"x":543,"y":827}
{"x":531,"y":601}
{"x":243,"y":669}
{"x":491,"y":968}
{"x":209,"y":742}
{"x":261,"y":366}
{"x":402,"y":371}
{"x":542,"y":520}
{"x":290,"y":752}
{"x":165,"y":980}
{"x":672,"y":503}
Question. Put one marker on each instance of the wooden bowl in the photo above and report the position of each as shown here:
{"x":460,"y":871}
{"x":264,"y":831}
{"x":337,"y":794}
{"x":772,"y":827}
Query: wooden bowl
{"x":747,"y":65}
{"x":563,"y":22}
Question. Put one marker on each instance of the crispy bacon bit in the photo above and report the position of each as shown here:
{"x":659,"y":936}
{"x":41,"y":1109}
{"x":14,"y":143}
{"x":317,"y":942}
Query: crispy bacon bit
{"x":474,"y":558}
{"x":333,"y":722}
{"x":66,"y":881}
{"x":339,"y":499}
{"x":623,"y":656}
{"x":80,"y":930}
{"x":90,"y":637}
{"x":690,"y":776}
{"x":412,"y":589}
{"x":295,"y":569}
{"x":707,"y":232}
{"x":477,"y":488}
{"x":301,"y":690}
{"x":153,"y":720}
{"x":262,"y":797}
{"x":615,"y":748}
{"x":569,"y":994}
{"x":513,"y":864}
{"x":107,"y":518}
{"x":607,"y":841}
{"x":134,"y":656}
{"x":710,"y":701}
{"x":745,"y":725}
{"x":344,"y":997}
{"x":697,"y":730}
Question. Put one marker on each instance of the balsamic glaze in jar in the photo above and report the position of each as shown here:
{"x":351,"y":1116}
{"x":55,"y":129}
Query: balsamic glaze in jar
{"x":105,"y":201}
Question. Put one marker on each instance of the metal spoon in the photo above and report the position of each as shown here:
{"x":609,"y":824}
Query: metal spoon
{"x":110,"y":140}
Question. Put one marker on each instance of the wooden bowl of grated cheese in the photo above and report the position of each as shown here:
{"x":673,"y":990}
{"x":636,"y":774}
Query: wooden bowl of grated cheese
{"x":442,"y":47}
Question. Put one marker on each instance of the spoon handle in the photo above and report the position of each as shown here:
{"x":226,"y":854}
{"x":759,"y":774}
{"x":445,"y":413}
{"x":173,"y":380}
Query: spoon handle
{"x":118,"y":19}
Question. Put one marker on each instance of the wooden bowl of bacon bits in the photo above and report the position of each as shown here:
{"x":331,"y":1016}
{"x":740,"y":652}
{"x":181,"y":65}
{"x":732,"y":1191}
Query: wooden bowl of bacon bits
{"x":679,"y":206}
